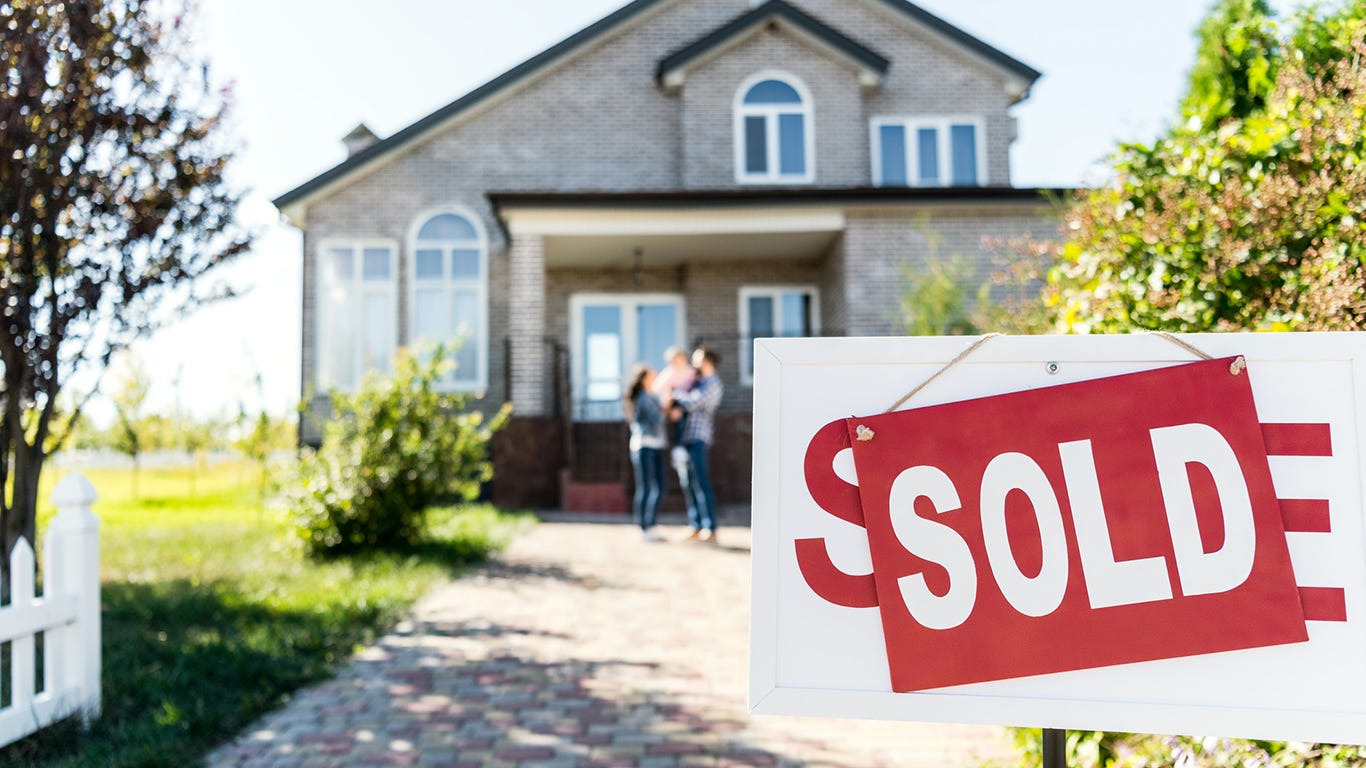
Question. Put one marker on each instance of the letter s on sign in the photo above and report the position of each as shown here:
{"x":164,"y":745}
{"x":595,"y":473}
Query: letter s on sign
{"x":935,"y":542}
{"x":841,"y":500}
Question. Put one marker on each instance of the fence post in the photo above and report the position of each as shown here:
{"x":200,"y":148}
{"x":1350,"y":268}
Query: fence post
{"x":78,"y":533}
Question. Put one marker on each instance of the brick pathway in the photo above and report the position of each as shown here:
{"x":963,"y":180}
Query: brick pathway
{"x":580,"y":646}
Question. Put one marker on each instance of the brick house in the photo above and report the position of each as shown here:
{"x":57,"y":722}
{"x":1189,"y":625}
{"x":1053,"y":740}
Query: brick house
{"x":680,"y":172}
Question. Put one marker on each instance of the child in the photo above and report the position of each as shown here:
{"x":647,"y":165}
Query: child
{"x":678,"y":376}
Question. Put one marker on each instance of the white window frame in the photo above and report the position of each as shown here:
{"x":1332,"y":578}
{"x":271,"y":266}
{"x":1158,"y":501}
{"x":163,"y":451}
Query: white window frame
{"x":774,"y":292}
{"x":740,"y":110}
{"x":942,"y":124}
{"x":450,"y":285}
{"x":324,"y":326}
{"x":630,"y":338}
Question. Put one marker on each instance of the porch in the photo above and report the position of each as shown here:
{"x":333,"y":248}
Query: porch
{"x":597,"y":289}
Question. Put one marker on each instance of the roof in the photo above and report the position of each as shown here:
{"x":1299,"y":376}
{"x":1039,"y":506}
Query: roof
{"x":774,"y":196}
{"x":964,"y":39}
{"x":762,"y":15}
{"x":767,"y":195}
{"x":599,"y":28}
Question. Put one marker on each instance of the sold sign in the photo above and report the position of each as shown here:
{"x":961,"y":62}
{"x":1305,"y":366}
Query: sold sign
{"x":1091,"y":524}
{"x":1084,"y":532}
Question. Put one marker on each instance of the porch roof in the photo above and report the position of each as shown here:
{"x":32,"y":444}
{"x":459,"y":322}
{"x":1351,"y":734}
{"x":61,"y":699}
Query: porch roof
{"x":660,"y":228}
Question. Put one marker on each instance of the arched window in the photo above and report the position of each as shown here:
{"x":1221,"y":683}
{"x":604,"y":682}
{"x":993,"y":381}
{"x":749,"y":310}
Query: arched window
{"x":448,"y":290}
{"x":773,"y":142}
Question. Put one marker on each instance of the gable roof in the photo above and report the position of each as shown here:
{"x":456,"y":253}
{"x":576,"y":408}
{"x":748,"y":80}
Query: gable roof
{"x":956,"y":35}
{"x":603,"y":26}
{"x":762,"y":15}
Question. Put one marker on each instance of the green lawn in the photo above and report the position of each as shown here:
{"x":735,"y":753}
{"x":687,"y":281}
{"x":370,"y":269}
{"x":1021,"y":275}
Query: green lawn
{"x":212,"y":615}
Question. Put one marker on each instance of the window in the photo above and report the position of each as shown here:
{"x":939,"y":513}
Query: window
{"x":773,"y":131}
{"x":928,"y":152}
{"x":357,"y":319}
{"x":611,"y":332}
{"x":449,"y":292}
{"x":769,"y":312}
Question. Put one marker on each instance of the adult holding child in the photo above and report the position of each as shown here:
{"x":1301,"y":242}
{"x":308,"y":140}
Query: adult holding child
{"x":699,"y":406}
{"x":646,"y":418}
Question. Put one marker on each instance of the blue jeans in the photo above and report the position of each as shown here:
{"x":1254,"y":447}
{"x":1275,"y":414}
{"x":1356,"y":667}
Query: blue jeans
{"x":696,"y":481}
{"x":648,"y":466}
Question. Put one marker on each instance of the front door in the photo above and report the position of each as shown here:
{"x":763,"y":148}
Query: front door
{"x":609,"y":334}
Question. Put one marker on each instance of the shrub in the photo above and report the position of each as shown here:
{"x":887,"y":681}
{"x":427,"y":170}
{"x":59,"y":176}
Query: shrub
{"x":393,"y":449}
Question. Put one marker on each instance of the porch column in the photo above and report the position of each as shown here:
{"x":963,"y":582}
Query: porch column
{"x":526,"y":324}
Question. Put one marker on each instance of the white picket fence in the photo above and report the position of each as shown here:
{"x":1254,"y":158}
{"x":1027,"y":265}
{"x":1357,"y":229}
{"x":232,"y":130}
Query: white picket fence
{"x":67,"y":615}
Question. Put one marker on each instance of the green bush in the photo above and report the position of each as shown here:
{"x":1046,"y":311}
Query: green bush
{"x":393,"y":449}
{"x":1138,"y":750}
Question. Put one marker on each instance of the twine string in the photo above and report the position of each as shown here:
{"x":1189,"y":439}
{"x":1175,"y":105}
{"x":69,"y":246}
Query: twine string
{"x":961,"y":357}
{"x":1191,"y":348}
{"x":1235,"y":368}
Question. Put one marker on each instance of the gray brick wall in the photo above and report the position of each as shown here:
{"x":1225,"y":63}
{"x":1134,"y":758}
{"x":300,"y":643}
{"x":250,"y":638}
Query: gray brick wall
{"x":840,"y":128}
{"x":598,"y":121}
{"x":880,"y":243}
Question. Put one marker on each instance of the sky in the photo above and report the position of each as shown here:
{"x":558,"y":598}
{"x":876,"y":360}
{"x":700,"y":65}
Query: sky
{"x":305,"y":72}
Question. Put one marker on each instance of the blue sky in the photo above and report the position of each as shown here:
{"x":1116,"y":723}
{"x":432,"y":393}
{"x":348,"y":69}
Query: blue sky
{"x":306,"y":71}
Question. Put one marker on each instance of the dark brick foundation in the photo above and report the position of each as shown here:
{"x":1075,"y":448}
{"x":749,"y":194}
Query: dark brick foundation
{"x":529,"y":467}
{"x":527,"y":456}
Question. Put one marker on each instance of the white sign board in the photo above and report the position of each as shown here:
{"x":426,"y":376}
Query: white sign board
{"x":812,"y":656}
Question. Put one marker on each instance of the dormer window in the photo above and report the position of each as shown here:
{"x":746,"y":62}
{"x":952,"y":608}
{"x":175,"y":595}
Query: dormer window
{"x":773,"y":131}
{"x":928,"y":152}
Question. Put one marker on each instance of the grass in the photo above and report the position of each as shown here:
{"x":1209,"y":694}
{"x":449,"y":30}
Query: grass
{"x":212,"y":615}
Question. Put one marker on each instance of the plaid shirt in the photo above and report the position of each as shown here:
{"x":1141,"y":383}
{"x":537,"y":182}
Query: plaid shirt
{"x":700,"y":403}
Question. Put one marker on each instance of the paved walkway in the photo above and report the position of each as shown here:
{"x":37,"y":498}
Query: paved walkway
{"x":580,"y":646}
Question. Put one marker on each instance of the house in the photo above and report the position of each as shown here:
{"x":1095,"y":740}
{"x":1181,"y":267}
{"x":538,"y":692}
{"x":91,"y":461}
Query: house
{"x":680,"y":172}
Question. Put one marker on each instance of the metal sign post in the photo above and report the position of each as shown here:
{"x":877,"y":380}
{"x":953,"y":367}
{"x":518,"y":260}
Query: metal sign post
{"x":1054,"y":748}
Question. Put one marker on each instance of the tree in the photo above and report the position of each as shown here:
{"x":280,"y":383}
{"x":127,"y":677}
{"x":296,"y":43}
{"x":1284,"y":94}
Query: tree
{"x":130,"y":432}
{"x":113,"y":206}
{"x":1235,"y":65}
{"x":1256,"y":223}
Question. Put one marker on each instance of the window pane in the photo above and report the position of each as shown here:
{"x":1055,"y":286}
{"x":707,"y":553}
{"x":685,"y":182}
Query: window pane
{"x":340,"y":338}
{"x":602,"y":352}
{"x":772,"y":92}
{"x":466,"y":317}
{"x":893,"y":159}
{"x":375,"y":264}
{"x":656,"y":331}
{"x":796,"y":319}
{"x":447,"y":226}
{"x":963,"y":144}
{"x":927,"y":141}
{"x":431,"y":321}
{"x":464,"y":264}
{"x":756,"y":145}
{"x":760,"y":316}
{"x":342,"y":263}
{"x":791,"y":144}
{"x":428,"y":264}
{"x":378,"y":332}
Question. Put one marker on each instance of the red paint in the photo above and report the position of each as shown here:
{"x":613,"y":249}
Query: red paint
{"x":840,"y":500}
{"x":1305,"y":515}
{"x":1286,"y":439}
{"x":1324,"y":603}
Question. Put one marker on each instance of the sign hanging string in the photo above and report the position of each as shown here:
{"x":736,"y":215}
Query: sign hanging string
{"x":1191,"y":348}
{"x":1235,"y":368}
{"x":961,"y":357}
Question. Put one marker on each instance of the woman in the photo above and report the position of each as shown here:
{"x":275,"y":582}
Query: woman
{"x":648,"y":444}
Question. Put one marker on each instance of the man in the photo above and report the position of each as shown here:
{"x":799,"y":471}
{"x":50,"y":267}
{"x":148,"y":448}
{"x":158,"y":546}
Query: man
{"x":700,"y":404}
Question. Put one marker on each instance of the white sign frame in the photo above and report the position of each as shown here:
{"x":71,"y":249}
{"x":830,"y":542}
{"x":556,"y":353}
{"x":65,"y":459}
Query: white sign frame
{"x":801,"y":382}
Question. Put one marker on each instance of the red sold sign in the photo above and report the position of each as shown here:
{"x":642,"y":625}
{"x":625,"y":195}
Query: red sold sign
{"x":1085,"y":525}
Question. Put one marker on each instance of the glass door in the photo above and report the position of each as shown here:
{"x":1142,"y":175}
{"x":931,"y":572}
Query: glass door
{"x":610,"y":333}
